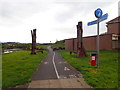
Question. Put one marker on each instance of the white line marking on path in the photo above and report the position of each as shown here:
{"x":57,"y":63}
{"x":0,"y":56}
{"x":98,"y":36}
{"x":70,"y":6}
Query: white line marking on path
{"x":72,"y":76}
{"x":55,"y":66}
{"x":59,"y":62}
{"x":66,"y":69}
{"x":45,"y":62}
{"x":61,"y":77}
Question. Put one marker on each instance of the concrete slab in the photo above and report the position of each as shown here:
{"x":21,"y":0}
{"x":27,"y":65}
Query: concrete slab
{"x":60,"y":83}
{"x":54,"y":84}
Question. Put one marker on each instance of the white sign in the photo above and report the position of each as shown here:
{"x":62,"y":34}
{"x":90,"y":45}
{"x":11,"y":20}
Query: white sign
{"x":93,"y":57}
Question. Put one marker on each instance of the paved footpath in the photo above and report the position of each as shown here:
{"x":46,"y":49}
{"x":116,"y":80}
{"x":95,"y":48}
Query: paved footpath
{"x":54,"y":72}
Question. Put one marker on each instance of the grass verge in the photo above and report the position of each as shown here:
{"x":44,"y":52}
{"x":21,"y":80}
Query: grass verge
{"x":58,"y":44}
{"x":19,"y":66}
{"x":104,"y":77}
{"x":42,"y":46}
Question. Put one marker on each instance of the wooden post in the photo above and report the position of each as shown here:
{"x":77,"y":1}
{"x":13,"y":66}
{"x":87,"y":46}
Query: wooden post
{"x":80,"y":49}
{"x":33,"y":34}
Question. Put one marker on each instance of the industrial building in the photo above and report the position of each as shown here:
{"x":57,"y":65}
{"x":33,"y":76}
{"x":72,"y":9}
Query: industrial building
{"x":108,"y":41}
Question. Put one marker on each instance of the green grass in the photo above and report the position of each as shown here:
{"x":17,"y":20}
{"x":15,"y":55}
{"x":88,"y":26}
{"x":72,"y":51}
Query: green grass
{"x":58,"y":44}
{"x":19,"y":66}
{"x":104,"y":77}
{"x":42,"y":46}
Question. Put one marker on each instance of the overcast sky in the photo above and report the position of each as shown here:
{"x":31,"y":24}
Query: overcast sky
{"x":53,"y":19}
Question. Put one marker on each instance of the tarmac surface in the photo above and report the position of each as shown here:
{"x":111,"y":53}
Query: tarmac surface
{"x":54,"y":67}
{"x":54,"y":72}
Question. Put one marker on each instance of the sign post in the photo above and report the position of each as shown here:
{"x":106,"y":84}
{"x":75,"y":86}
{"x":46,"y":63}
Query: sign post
{"x":98,"y":43}
{"x":98,"y":14}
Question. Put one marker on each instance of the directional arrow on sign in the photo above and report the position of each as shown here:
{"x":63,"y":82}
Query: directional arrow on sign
{"x":92,"y":23}
{"x":104,"y":17}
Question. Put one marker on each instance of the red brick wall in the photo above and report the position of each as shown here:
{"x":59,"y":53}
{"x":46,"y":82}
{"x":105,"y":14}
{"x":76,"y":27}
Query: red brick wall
{"x":106,"y":42}
{"x":69,"y":44}
{"x":75,"y":44}
{"x":90,"y":43}
{"x":113,"y":28}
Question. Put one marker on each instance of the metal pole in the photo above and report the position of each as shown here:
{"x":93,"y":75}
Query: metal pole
{"x":98,"y":44}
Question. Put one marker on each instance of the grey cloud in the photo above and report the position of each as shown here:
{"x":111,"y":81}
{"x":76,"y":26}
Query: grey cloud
{"x":66,"y":30}
{"x":67,"y":1}
{"x":119,"y":8}
{"x":14,"y":12}
{"x":12,"y":9}
{"x":81,"y":8}
{"x":21,"y":9}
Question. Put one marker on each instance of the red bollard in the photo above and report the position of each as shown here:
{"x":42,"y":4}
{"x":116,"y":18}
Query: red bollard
{"x":93,"y":59}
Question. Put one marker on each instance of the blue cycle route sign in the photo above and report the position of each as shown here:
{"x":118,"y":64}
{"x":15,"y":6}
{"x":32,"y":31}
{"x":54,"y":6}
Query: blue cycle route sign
{"x":98,"y":13}
{"x":102,"y":18}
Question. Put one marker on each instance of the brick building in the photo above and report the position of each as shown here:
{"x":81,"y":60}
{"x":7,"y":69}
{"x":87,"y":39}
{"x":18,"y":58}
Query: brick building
{"x":108,"y":41}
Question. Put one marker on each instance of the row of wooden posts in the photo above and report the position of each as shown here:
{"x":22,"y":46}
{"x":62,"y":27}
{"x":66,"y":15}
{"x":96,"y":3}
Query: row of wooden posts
{"x":80,"y":48}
